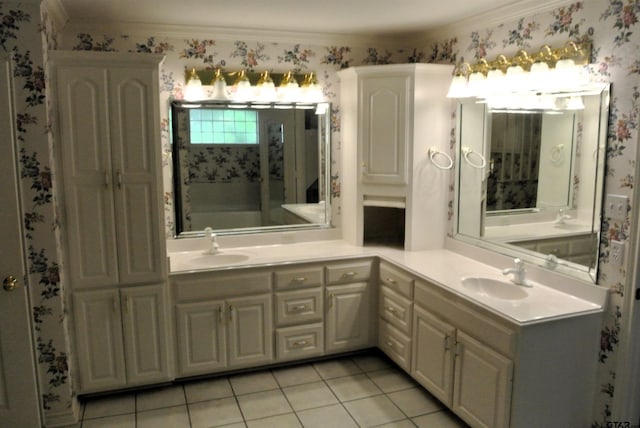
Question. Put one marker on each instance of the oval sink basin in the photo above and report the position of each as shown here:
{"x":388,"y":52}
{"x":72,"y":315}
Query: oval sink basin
{"x":203,"y":261}
{"x":219,"y":259}
{"x":494,"y":288}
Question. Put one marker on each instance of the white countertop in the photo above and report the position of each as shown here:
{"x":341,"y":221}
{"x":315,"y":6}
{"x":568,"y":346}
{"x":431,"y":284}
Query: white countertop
{"x":534,"y":231}
{"x":443,"y":268}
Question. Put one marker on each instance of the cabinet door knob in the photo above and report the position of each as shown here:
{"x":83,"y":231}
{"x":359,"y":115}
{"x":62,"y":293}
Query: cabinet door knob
{"x":230,"y":312}
{"x":330,"y":303}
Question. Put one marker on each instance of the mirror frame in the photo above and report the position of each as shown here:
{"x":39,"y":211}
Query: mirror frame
{"x":324,"y":143}
{"x":575,"y":270}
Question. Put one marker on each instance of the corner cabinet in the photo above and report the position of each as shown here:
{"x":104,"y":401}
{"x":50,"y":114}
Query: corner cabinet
{"x":108,"y":140}
{"x":391,"y":115}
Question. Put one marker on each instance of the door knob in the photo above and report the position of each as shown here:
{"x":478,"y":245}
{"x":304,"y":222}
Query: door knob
{"x":10,"y":283}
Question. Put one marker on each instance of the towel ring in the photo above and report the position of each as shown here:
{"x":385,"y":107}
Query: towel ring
{"x":467,"y":152}
{"x":433,"y":152}
{"x":556,"y":153}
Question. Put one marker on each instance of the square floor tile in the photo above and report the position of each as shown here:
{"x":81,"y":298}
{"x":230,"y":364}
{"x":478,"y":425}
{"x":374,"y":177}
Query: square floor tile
{"x":371,"y":362}
{"x":309,"y":395}
{"x":392,"y":379}
{"x":120,"y":421}
{"x":262,"y":404}
{"x":110,"y":406}
{"x":206,"y":390}
{"x":373,"y":411}
{"x":415,"y":401}
{"x":253,"y":382}
{"x":336,"y":368}
{"x":174,"y":417}
{"x":160,"y":397}
{"x":296,"y":375}
{"x":331,"y":416}
{"x":281,"y":421}
{"x":443,"y":419}
{"x":213,"y":413}
{"x":353,"y":387}
{"x":405,"y":423}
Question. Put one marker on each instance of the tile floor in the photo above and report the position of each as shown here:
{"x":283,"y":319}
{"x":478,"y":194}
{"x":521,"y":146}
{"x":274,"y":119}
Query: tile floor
{"x":364,"y":390}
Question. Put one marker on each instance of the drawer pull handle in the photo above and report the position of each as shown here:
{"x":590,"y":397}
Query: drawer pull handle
{"x":299,"y":308}
{"x":392,"y":281}
{"x":389,"y":344}
{"x":299,"y":343}
{"x":349,"y":274}
{"x":300,"y":279}
{"x":391,"y":309}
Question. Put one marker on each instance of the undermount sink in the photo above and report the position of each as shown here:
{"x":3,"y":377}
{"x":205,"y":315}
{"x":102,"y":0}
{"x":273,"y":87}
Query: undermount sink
{"x":219,"y":258}
{"x":494,"y":288}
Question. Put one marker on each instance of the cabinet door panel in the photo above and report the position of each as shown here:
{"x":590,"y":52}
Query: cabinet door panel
{"x":348,"y":315}
{"x":250,"y":330}
{"x":145,"y":326}
{"x":138,"y":204}
{"x":86,"y":169}
{"x":201,"y":342}
{"x":99,"y":347}
{"x":433,"y":356}
{"x":384,"y":130}
{"x":482,"y":384}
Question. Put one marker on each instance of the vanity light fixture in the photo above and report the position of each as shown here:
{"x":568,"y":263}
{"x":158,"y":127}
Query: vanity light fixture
{"x":220,"y":91}
{"x":193,"y":89}
{"x":547,"y":71}
{"x":246,"y":86}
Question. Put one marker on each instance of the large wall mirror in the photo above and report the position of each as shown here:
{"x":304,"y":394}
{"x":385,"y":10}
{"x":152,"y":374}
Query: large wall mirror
{"x":250,"y":167}
{"x":530,"y":180}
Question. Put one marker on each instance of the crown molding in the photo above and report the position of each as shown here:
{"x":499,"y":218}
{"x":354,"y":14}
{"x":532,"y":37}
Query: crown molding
{"x":491,"y":18}
{"x":247,"y":34}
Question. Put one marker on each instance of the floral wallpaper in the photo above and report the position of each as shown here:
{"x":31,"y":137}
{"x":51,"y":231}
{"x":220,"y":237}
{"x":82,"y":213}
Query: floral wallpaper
{"x":27,"y":33}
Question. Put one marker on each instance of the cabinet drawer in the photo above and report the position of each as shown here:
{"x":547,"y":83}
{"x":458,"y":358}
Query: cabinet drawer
{"x":216,"y":285}
{"x":295,"y":307}
{"x":298,"y":278}
{"x":396,"y":309}
{"x":395,"y":344}
{"x":349,"y":272}
{"x":458,"y":312}
{"x":299,"y":341}
{"x":396,"y":280}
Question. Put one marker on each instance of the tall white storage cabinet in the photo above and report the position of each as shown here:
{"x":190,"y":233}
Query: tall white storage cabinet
{"x":108,"y":137}
{"x":390,"y":116}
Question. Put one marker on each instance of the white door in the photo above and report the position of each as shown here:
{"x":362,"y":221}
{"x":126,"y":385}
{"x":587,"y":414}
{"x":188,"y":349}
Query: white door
{"x":19,"y":405}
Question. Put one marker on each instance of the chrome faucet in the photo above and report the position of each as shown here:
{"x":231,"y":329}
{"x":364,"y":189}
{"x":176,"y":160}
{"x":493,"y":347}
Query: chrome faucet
{"x":212,"y":245}
{"x":518,"y":273}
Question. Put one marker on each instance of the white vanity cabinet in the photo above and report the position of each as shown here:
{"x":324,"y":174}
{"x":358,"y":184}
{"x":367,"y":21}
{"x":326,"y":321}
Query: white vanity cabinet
{"x":299,"y":312}
{"x":391,"y":115}
{"x":121,"y":338}
{"x":395,"y":311}
{"x":349,"y":306}
{"x":223,"y":321}
{"x":108,"y":128}
{"x":463,"y":373}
